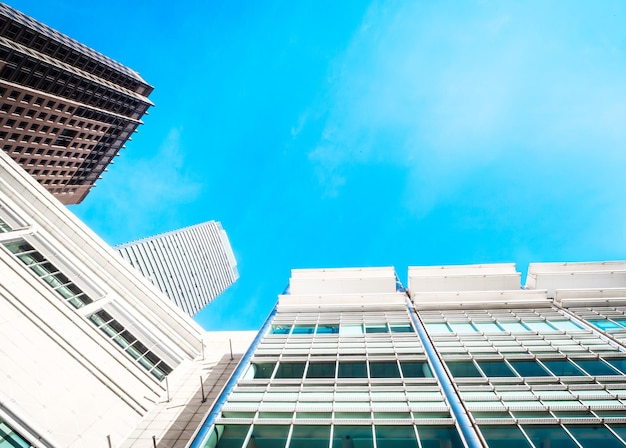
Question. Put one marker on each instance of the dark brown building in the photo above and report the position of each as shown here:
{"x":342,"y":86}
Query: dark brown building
{"x":65,"y":109}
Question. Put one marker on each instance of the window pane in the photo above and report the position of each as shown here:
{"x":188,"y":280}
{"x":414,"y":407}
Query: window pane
{"x":357,"y":436}
{"x":376,"y":328}
{"x":321,"y":370}
{"x":280,"y":329}
{"x":439,"y":436}
{"x":290,"y":370}
{"x":387,"y":369}
{"x":395,"y":437}
{"x":231,"y":436}
{"x":487,"y":327}
{"x":595,"y":367}
{"x":504,"y":437}
{"x":270,"y":436}
{"x":461,"y":369}
{"x":594,"y":435}
{"x":309,"y":436}
{"x":401,"y":328}
{"x":566,"y":325}
{"x":513,"y":327}
{"x":352,"y":370}
{"x":549,"y":435}
{"x":618,"y":363}
{"x":462,"y":327}
{"x":303,"y":329}
{"x":496,"y":368}
{"x":563,"y":368}
{"x":437,"y":328}
{"x":604,"y":324}
{"x":328,"y":329}
{"x":529,"y":368}
{"x":415,"y":369}
{"x":263,"y":369}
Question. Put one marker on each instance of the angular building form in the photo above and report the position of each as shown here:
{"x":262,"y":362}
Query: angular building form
{"x":65,"y":109}
{"x":92,"y":354}
{"x":464,"y":357}
{"x":191,"y":266}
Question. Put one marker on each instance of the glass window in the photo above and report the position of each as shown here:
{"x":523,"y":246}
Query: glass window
{"x":321,"y":370}
{"x":4,"y":227}
{"x":352,"y":436}
{"x":563,"y":368}
{"x":401,"y":328}
{"x":495,"y":369}
{"x":328,"y":329}
{"x":280,"y":329}
{"x":303,"y":329}
{"x":565,"y":325}
{"x":618,"y":363}
{"x":309,"y":436}
{"x":504,"y":437}
{"x":604,"y":324}
{"x":263,"y":369}
{"x":487,"y":327}
{"x":350,"y":329}
{"x":395,"y":437}
{"x":462,"y":327}
{"x":594,"y":435}
{"x":439,"y":436}
{"x":290,"y":370}
{"x":376,"y":328}
{"x":11,"y":439}
{"x":513,"y":327}
{"x":596,"y":367}
{"x":529,"y":368}
{"x":549,"y":436}
{"x":415,"y":369}
{"x":539,"y":326}
{"x":384,"y":369}
{"x":269,"y":436}
{"x":463,"y":369}
{"x":228,"y":436}
{"x":352,"y":369}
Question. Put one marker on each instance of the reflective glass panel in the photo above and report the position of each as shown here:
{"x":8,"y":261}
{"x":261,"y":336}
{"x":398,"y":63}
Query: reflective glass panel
{"x":415,"y":369}
{"x":290,"y":370}
{"x":439,"y":436}
{"x":463,"y":369}
{"x":387,"y":369}
{"x":596,"y":367}
{"x":352,"y":436}
{"x":552,"y":436}
{"x":352,"y":369}
{"x":269,"y":436}
{"x":230,"y":436}
{"x":395,"y":437}
{"x":504,"y":437}
{"x":321,"y":370}
{"x":309,"y":436}
{"x":496,"y":369}
{"x":529,"y":368}
{"x":563,"y":368}
{"x":594,"y":436}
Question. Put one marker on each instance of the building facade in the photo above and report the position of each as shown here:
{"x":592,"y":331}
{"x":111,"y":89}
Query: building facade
{"x":191,"y":266}
{"x":65,"y":109}
{"x":465,"y":357}
{"x":89,"y":346}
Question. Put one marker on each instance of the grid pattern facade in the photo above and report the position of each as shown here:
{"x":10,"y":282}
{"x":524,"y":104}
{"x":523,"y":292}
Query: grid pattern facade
{"x":65,"y":109}
{"x":340,"y":367}
{"x":191,"y":266}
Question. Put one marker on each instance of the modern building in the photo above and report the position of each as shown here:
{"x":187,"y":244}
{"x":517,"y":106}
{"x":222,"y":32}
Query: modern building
{"x":65,"y":109}
{"x":465,"y":357}
{"x":92,"y":354}
{"x":191,"y":266}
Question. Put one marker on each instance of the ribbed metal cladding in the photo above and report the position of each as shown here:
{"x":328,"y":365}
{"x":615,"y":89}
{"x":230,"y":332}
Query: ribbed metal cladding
{"x":191,"y":266}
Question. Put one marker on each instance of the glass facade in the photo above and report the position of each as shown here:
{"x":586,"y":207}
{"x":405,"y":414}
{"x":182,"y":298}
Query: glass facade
{"x":9,"y":438}
{"x":532,"y":374}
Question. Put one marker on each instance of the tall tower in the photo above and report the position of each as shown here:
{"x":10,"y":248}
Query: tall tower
{"x":191,"y":266}
{"x":65,"y":109}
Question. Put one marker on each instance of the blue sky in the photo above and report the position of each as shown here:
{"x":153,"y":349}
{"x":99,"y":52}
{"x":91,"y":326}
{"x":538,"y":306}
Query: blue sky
{"x":355,"y":133}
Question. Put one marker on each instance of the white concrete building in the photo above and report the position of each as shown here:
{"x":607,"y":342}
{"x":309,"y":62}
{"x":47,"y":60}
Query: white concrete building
{"x":191,"y":266}
{"x":89,"y":346}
